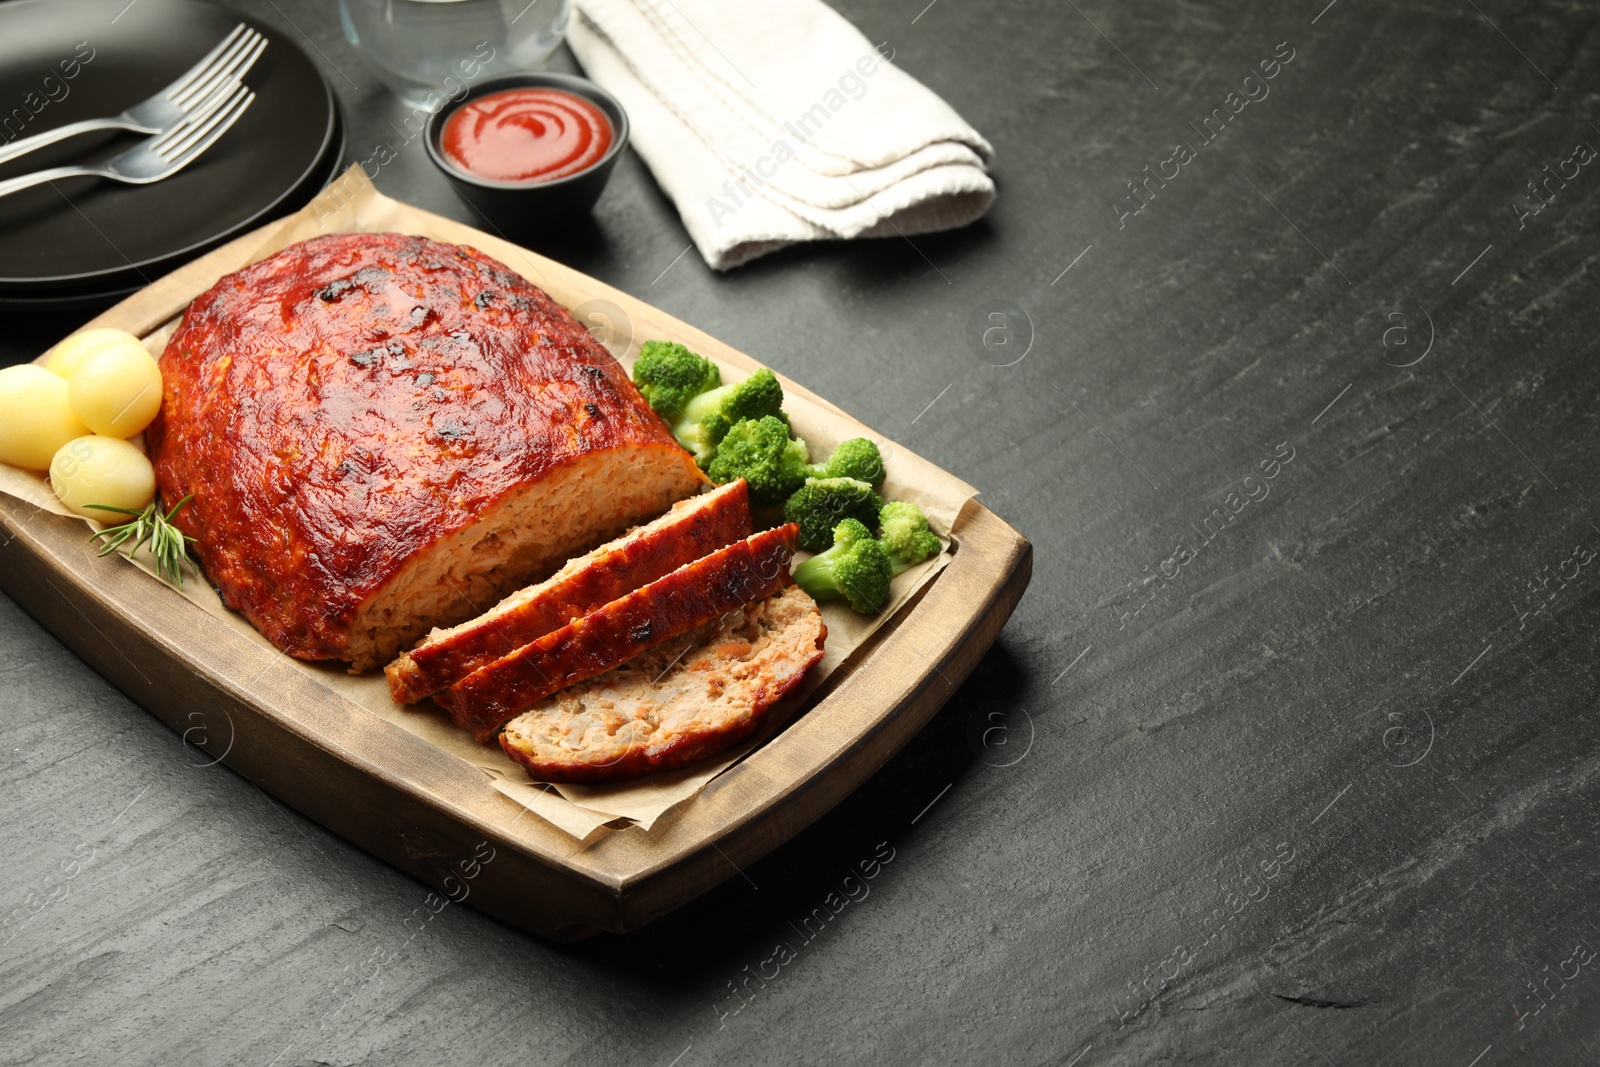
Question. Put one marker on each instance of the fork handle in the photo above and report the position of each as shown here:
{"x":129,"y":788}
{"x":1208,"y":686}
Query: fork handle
{"x":71,"y":129}
{"x":50,"y":174}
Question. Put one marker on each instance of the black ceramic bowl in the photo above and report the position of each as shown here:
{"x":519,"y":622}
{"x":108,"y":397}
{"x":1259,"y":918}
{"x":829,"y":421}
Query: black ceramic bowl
{"x":522,"y":208}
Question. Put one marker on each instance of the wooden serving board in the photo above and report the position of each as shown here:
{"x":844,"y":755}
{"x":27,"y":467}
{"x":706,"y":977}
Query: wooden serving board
{"x":434,"y":815}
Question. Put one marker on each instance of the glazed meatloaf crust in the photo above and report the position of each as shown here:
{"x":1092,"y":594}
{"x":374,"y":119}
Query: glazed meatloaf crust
{"x":680,"y":702}
{"x":689,"y":597}
{"x":384,"y":434}
{"x":693,"y":528}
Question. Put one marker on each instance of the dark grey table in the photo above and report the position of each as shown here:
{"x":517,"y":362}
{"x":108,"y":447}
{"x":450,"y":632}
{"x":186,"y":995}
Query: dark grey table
{"x":1289,"y":754}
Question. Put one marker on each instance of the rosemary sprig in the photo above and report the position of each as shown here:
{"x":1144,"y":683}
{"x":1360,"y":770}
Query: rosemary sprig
{"x":168,"y":544}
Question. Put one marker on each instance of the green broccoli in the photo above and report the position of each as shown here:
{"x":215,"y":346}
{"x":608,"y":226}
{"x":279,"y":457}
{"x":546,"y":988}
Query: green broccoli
{"x":905,"y":536}
{"x":856,"y":458}
{"x":669,"y":376}
{"x":707,"y":418}
{"x":821,"y":504}
{"x":855,"y":568}
{"x":762,"y":453}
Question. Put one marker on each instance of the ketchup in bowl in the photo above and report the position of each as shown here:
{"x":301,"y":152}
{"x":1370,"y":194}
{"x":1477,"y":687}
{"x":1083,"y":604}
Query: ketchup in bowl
{"x":526,"y":135}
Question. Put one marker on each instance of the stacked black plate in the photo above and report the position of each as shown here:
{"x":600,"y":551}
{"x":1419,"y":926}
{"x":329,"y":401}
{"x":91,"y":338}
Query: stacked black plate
{"x":83,"y":242}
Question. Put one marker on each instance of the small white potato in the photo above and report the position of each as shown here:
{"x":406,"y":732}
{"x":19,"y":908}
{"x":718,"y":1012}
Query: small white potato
{"x":102,"y":470}
{"x":116,"y":389}
{"x":64,"y":358}
{"x":36,"y":417}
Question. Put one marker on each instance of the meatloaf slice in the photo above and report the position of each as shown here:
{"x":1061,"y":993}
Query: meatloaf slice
{"x":384,"y":434}
{"x":691,"y":596}
{"x":693,"y":528}
{"x":677,"y":703}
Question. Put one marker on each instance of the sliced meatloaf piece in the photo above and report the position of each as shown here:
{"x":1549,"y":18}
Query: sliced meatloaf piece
{"x":693,"y":528}
{"x":691,"y":596}
{"x":384,"y":434}
{"x":677,"y":703}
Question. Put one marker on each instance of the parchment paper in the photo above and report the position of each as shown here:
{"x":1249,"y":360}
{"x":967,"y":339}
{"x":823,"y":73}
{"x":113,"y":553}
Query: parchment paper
{"x":352,"y":204}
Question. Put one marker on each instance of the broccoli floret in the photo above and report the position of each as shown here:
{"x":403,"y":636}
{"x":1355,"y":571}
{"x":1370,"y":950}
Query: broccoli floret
{"x":855,"y":568}
{"x":669,"y":376}
{"x":856,"y":458}
{"x":762,"y":453}
{"x":707,"y":418}
{"x":905,"y":536}
{"x":822,"y":503}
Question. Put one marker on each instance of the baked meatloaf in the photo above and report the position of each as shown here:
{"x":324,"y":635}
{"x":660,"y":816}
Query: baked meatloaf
{"x":693,"y":528}
{"x":384,"y":434}
{"x":677,"y":703}
{"x":691,"y":596}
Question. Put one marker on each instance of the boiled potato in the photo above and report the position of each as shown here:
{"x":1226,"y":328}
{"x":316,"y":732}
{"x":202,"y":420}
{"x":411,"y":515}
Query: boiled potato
{"x":116,"y":389}
{"x":36,"y":416}
{"x":102,"y":470}
{"x":64,"y":358}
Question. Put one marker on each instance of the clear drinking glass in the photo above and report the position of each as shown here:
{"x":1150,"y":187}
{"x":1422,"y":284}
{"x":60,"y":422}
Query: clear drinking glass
{"x":429,"y":51}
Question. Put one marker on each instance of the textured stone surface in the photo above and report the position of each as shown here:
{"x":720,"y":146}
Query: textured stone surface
{"x":1340,"y":684}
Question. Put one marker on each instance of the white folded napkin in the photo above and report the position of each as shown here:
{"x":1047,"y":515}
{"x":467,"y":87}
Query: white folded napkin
{"x":775,"y":121}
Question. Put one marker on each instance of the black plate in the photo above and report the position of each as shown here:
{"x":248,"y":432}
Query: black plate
{"x":102,"y":292}
{"x":97,"y":296}
{"x":86,"y":238}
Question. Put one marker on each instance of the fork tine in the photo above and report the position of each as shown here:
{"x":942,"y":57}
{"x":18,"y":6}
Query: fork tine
{"x":171,"y":144}
{"x":189,"y":76}
{"x":195,"y":88}
{"x":217,"y":125}
{"x":205,"y":135}
{"x":234,"y":68}
{"x":167,"y":144}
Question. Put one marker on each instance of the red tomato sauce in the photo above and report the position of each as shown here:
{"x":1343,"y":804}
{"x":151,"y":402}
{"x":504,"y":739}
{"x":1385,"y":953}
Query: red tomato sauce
{"x":526,"y":135}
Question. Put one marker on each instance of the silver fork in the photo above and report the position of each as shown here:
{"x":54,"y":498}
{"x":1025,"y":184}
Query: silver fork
{"x":231,"y":59}
{"x":161,"y":156}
